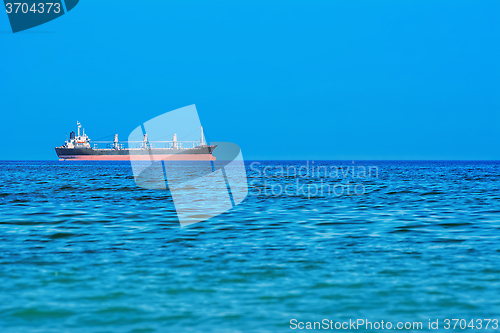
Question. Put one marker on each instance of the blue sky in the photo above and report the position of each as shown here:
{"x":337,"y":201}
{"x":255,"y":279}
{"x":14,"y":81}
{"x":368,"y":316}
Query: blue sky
{"x":282,"y":79}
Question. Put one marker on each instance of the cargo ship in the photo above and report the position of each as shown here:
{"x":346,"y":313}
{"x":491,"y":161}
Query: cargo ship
{"x":78,"y":148}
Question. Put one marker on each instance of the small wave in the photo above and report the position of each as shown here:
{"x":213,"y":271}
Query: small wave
{"x":34,"y":313}
{"x":399,"y":192}
{"x":19,"y":201}
{"x":60,"y":235}
{"x":456,"y":224}
{"x":401,"y":230}
{"x":432,"y":193}
{"x":448,"y":240}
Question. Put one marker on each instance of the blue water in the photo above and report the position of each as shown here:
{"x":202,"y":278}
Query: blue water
{"x":85,"y":250}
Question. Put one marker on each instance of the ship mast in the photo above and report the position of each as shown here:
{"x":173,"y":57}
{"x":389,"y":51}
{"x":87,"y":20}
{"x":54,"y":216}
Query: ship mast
{"x":145,"y":141}
{"x":202,"y":142}
{"x":174,"y":141}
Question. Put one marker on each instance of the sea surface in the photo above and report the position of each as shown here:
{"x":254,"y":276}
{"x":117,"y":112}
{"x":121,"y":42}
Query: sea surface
{"x":83,"y":249}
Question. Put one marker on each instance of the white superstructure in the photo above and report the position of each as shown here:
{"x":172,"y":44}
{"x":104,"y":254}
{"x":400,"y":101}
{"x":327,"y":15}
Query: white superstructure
{"x":78,"y":141}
